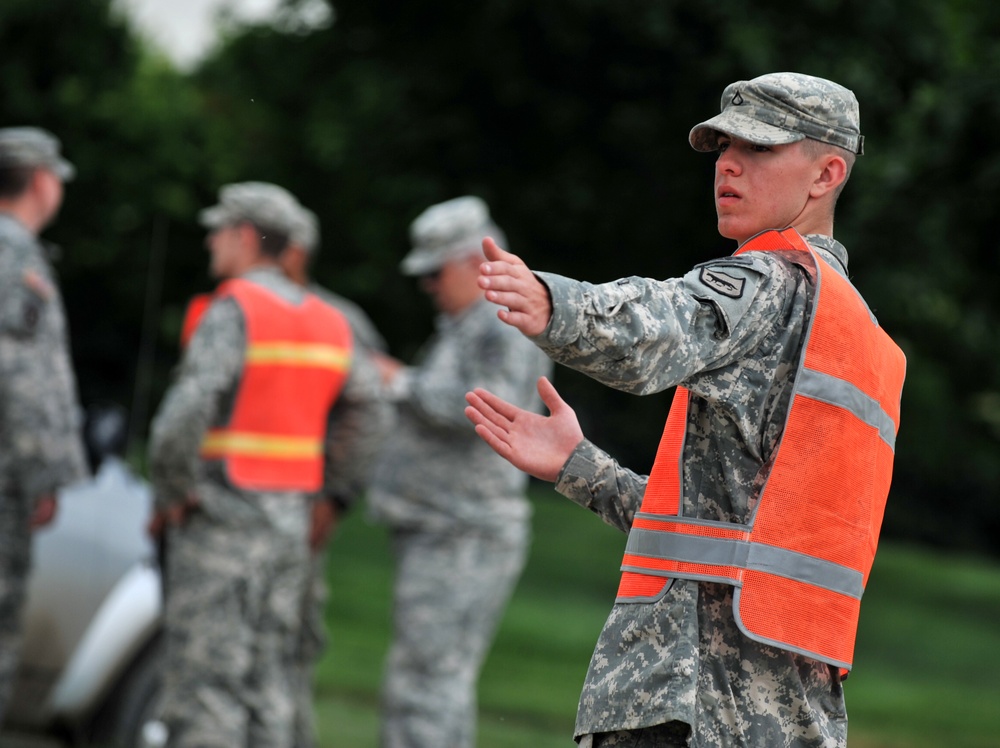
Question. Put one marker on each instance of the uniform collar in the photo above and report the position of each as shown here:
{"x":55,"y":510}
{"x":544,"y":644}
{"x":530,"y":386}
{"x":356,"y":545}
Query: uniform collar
{"x":830,"y":248}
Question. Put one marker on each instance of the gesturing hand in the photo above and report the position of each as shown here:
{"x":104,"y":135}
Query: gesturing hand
{"x":538,"y":445}
{"x":510,"y":284}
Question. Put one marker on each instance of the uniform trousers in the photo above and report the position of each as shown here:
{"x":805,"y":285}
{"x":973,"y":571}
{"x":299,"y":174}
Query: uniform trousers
{"x":451,"y":590}
{"x":312,"y":642}
{"x":15,"y":563}
{"x":233,"y":603}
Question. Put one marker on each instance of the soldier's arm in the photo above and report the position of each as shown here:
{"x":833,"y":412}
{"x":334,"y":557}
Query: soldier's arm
{"x":358,"y":423}
{"x":642,"y":335}
{"x":208,"y":373}
{"x":552,"y":447}
{"x":39,"y":412}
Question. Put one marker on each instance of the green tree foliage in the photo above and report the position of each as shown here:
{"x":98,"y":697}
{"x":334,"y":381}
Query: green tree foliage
{"x":570,"y":118}
{"x":131,"y":125}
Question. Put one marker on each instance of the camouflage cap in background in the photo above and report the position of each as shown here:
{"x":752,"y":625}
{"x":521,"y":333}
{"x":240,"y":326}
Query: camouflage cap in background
{"x":447,"y":231}
{"x":306,"y":233}
{"x":33,"y":147}
{"x":780,"y":108}
{"x":266,"y":205}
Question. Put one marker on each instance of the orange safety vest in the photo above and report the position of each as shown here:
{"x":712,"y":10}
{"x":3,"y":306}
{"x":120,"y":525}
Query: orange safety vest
{"x":196,"y":309}
{"x":297,"y":360}
{"x":801,"y":563}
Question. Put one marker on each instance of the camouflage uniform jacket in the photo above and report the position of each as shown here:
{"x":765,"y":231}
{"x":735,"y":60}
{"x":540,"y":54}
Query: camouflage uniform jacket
{"x":203,"y":395}
{"x":39,"y":412}
{"x":682,"y":657}
{"x":434,"y":473}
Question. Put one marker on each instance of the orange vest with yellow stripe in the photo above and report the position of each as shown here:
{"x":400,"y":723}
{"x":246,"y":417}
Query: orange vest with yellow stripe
{"x":297,"y":359}
{"x":801,"y":563}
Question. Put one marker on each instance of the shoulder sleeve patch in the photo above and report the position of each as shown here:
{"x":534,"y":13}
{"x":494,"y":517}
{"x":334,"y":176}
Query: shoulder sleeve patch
{"x":729,"y":286}
{"x":722,"y":282}
{"x":22,"y":306}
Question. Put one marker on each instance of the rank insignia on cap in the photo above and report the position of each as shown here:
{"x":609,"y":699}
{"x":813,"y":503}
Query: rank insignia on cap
{"x":724,"y":283}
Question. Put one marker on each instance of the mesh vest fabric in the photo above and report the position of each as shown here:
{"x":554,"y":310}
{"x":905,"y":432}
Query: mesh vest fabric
{"x":297,"y":360}
{"x":801,"y":562}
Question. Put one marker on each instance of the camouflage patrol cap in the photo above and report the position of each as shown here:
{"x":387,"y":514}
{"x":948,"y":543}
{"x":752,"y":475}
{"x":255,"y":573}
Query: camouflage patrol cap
{"x":33,"y":147}
{"x":780,"y":108}
{"x":446,"y":231}
{"x":306,"y":233}
{"x":264,"y":204}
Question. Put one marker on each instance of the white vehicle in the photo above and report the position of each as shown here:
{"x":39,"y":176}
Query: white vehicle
{"x":91,"y":655}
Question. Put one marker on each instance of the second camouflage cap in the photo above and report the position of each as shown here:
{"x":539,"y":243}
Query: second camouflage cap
{"x":448,"y":230}
{"x":33,"y":147}
{"x":265,"y":204}
{"x":780,"y":108}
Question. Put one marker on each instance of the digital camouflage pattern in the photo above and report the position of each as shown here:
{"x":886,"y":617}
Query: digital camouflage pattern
{"x":780,"y":108}
{"x":265,"y":204}
{"x":682,"y":657}
{"x":450,"y":593}
{"x":39,"y":418}
{"x":460,"y":524}
{"x":313,"y":636}
{"x":448,"y":230}
{"x":33,"y":147}
{"x":236,"y":571}
{"x":433,"y":472}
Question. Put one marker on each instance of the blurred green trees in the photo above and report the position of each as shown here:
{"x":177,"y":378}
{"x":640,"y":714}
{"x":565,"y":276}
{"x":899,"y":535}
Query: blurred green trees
{"x":570,"y":118}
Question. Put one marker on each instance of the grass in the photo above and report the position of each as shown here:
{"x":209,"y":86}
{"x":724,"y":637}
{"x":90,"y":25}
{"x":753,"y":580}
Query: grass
{"x":927,"y":667}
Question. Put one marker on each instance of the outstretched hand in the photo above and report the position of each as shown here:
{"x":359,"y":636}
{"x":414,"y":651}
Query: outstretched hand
{"x":539,"y":445}
{"x":510,"y":284}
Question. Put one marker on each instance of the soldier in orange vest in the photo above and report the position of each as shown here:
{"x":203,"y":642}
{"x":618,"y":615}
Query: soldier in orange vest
{"x":751,"y":541}
{"x":270,"y":411}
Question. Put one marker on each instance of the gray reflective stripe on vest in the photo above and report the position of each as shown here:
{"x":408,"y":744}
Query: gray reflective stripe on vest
{"x":675,"y":546}
{"x":840,"y":392}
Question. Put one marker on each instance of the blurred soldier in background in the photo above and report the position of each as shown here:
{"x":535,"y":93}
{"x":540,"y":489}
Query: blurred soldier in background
{"x":296,"y":261}
{"x":457,"y":513}
{"x":270,"y":411}
{"x":39,"y":430}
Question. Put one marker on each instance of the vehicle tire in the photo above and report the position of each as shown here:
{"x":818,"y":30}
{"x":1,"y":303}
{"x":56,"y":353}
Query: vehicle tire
{"x":120,"y":720}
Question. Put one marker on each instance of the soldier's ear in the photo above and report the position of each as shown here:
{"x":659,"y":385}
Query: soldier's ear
{"x":832,"y":171}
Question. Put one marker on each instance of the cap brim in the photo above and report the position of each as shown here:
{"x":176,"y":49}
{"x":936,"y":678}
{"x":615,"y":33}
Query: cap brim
{"x":214,"y":217}
{"x":422,"y":261}
{"x":704,"y":137}
{"x":64,"y":170}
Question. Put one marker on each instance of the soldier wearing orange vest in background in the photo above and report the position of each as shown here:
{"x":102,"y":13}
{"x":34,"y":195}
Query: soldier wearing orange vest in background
{"x":271,"y":410}
{"x":751,"y":541}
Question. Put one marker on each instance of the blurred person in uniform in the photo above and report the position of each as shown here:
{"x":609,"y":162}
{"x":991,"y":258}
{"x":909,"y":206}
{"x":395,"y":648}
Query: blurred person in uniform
{"x":296,"y":261}
{"x":751,"y":541}
{"x":39,"y":412}
{"x":270,"y":411}
{"x":457,"y":513}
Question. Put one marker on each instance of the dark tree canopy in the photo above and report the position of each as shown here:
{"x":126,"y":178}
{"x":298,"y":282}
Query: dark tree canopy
{"x":570,"y":117}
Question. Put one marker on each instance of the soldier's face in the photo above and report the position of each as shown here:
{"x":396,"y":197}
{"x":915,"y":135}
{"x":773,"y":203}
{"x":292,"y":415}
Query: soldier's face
{"x":50,"y":191}
{"x":758,"y":188}
{"x":225,"y":247}
{"x":455,"y":285}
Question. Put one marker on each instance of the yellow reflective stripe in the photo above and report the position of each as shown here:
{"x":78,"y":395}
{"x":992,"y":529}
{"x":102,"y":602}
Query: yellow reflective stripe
{"x":242,"y":443}
{"x":300,"y":354}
